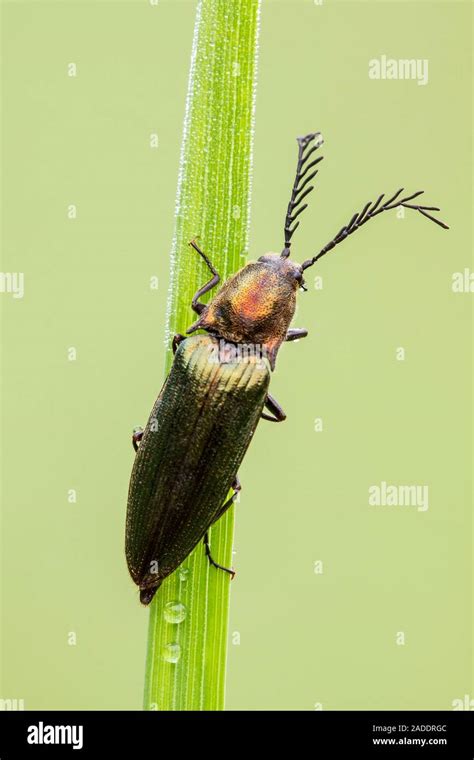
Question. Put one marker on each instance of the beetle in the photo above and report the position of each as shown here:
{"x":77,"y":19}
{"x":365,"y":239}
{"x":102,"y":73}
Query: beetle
{"x":203,"y":420}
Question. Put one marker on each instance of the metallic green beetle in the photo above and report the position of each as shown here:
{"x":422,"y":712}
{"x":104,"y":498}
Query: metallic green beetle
{"x":205,"y":416}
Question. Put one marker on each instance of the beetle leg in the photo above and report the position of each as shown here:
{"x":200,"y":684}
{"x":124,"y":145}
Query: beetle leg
{"x":199,"y":307}
{"x":177,"y":339}
{"x":137,"y":436}
{"x":208,"y":552}
{"x":237,"y":487}
{"x":274,"y":407}
{"x":295,"y":333}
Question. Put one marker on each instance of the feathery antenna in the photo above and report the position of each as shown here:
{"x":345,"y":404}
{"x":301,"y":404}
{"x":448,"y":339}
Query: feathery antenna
{"x":300,"y":190}
{"x":369,"y":212}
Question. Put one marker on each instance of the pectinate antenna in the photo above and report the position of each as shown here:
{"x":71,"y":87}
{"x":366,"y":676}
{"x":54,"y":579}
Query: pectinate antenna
{"x":305,"y":172}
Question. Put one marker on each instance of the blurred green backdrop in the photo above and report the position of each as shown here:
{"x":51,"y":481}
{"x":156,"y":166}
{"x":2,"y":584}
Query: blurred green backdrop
{"x":73,"y":629}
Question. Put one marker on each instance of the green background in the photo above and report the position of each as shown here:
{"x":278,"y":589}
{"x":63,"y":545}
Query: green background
{"x":305,"y":638}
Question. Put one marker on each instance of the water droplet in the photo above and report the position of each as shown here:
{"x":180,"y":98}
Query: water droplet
{"x":183,"y":574}
{"x":171,"y":652}
{"x":174,"y":612}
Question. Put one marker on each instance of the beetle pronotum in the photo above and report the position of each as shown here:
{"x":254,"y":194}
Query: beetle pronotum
{"x":203,"y":420}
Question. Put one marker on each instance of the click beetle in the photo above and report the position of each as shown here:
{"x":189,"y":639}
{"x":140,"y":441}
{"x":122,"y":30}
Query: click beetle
{"x":204,"y":418}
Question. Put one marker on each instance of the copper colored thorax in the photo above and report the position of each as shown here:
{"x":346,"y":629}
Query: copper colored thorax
{"x":255,"y":305}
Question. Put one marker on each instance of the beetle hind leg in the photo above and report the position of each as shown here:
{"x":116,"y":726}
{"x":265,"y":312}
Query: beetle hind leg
{"x":237,"y":487}
{"x":212,"y":561}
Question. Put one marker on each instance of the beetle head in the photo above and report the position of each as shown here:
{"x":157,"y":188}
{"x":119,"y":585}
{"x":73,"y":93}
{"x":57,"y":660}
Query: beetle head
{"x":289,"y":270}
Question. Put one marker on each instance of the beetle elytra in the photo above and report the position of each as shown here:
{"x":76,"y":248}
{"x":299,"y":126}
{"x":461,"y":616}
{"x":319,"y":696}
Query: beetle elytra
{"x":189,"y":454}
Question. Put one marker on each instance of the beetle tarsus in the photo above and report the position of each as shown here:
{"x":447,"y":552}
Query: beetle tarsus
{"x":277,"y":413}
{"x":236,"y":485}
{"x":295,"y":333}
{"x":137,"y":436}
{"x":212,"y":561}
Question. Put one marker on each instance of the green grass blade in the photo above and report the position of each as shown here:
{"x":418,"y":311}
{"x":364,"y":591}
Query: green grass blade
{"x":213,"y":201}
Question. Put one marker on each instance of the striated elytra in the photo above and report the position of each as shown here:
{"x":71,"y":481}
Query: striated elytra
{"x":195,"y":439}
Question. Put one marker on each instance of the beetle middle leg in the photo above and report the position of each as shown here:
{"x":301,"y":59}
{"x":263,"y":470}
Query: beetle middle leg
{"x":177,"y":339}
{"x":199,"y":307}
{"x":237,"y":487}
{"x":137,"y":436}
{"x":295,"y":333}
{"x":277,"y":413}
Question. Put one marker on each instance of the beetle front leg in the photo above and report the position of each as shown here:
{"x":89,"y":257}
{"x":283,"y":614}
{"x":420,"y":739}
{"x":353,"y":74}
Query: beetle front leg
{"x":295,"y":333}
{"x":199,"y":307}
{"x":277,"y":413}
{"x":137,"y":436}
